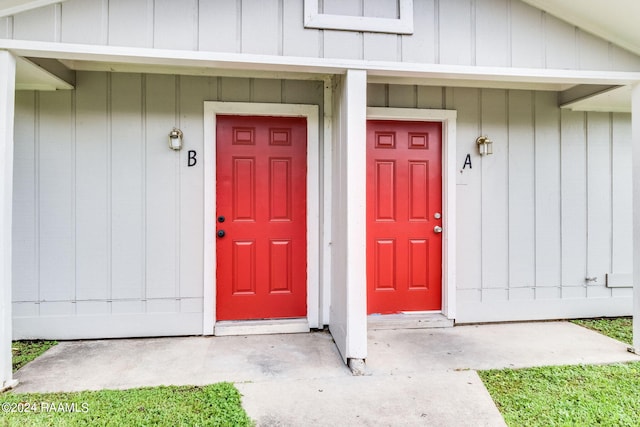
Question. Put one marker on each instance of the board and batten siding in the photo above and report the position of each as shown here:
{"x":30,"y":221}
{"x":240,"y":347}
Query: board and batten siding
{"x":503,"y":33}
{"x":108,"y":221}
{"x":548,"y":210}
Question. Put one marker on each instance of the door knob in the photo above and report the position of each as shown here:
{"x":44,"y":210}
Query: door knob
{"x":221,"y":233}
{"x":437,"y":229}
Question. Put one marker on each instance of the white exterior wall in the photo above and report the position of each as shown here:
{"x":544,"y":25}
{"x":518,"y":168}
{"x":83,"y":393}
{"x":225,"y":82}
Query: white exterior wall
{"x":108,"y":221}
{"x":550,"y":208}
{"x":505,"y":33}
{"x":108,"y":230}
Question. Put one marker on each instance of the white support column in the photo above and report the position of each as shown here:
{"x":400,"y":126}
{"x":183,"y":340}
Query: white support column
{"x":635,"y":137}
{"x":356,"y":93}
{"x":7,"y":97}
{"x":348,"y":323}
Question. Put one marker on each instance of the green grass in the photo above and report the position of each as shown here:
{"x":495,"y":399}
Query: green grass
{"x":617,"y":328}
{"x":567,"y":395}
{"x":211,"y":405}
{"x":25,"y":351}
{"x":571,"y":395}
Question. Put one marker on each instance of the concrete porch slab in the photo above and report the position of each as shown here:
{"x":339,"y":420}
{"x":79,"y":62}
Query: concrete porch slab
{"x":438,"y":399}
{"x":415,"y":376}
{"x":493,"y":346}
{"x":129,"y":363}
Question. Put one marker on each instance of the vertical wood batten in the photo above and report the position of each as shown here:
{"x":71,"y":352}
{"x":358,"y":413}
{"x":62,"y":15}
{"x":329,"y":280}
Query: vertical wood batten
{"x":521,"y":190}
{"x":129,"y":22}
{"x":56,"y":196}
{"x":421,"y":45}
{"x":527,"y":36}
{"x":598,"y":203}
{"x":261,"y":27}
{"x":492,"y":30}
{"x":218,"y":26}
{"x":175,"y":24}
{"x":621,"y":202}
{"x":161,"y":191}
{"x":469,"y":192}
{"x":547,"y":215}
{"x":92,"y":185}
{"x":84,"y":21}
{"x":297,"y":40}
{"x":25,"y":265}
{"x":574,"y":203}
{"x":193,"y":93}
{"x":456,"y":36}
{"x":127,"y":187}
{"x":494,"y":210}
{"x":38,"y":24}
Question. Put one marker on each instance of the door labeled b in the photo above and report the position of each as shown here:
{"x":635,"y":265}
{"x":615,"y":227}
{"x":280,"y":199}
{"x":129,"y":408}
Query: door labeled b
{"x":404,"y":216}
{"x":261,"y":217}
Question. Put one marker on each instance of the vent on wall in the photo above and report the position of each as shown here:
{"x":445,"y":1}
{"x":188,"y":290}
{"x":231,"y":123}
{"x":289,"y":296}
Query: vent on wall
{"x":402,"y":24}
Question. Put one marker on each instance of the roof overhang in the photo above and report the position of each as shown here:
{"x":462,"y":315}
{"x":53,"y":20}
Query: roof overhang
{"x":613,"y":20}
{"x":144,"y":60}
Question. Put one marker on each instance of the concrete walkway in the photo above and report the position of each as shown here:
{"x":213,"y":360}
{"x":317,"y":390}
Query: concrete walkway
{"x":415,"y":377}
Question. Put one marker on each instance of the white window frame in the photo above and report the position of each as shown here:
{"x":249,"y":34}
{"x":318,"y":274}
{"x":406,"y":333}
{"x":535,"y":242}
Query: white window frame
{"x":402,"y":25}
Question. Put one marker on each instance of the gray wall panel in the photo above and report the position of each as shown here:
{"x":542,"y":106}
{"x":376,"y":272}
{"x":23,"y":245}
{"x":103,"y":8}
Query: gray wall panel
{"x":85,"y":21}
{"x":500,"y":33}
{"x":131,"y":23}
{"x":108,"y":218}
{"x":549,"y":208}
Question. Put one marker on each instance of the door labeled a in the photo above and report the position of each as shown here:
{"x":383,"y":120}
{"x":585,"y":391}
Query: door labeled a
{"x":404,"y":216}
{"x":261,"y":217}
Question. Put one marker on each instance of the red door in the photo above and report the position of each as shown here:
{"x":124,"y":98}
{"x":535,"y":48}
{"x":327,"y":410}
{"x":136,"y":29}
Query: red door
{"x":261,"y":184}
{"x":404,"y":205}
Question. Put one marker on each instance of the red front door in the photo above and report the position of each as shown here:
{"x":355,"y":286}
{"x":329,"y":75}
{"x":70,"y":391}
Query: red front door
{"x":261,"y":184}
{"x":404,"y":205}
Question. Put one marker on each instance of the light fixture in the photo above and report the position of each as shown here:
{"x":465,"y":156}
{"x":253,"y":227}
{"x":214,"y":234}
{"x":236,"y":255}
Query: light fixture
{"x":175,"y":139}
{"x":485,"y":145}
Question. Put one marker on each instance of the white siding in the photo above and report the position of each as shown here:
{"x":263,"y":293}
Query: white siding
{"x":108,"y":229}
{"x":466,"y":32}
{"x":550,"y":208}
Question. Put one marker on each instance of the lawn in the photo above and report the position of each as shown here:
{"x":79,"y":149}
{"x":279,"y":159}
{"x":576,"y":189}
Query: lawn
{"x":619,"y":328}
{"x":211,"y":405}
{"x":570,"y":395}
{"x":24,"y":352}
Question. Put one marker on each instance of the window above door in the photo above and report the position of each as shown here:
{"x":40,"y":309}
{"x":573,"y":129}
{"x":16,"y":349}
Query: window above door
{"x":396,"y":17}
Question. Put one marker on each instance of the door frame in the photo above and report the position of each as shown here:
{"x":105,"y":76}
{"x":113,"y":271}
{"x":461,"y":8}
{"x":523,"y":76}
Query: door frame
{"x":448,"y":120}
{"x":310,"y":112}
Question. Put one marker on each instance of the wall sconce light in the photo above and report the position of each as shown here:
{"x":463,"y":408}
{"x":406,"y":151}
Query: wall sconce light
{"x":485,"y":145}
{"x":175,"y":139}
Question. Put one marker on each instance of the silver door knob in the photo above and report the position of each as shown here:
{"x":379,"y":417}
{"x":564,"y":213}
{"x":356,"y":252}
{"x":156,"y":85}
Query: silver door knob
{"x":437,"y":229}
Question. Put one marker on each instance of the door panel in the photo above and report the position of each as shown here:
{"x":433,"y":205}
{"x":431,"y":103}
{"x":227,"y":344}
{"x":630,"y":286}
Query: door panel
{"x":404,"y":192}
{"x":261,"y":193}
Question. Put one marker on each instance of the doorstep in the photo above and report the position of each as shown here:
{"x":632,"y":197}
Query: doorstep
{"x":261,"y":327}
{"x":420,"y":320}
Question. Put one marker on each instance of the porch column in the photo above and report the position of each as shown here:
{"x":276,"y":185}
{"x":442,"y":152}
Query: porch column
{"x":635,"y":139}
{"x":7,"y":96}
{"x":348,"y":322}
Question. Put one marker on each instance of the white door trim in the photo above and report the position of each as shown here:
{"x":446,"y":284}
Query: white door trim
{"x":310,"y":112}
{"x":448,"y":120}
